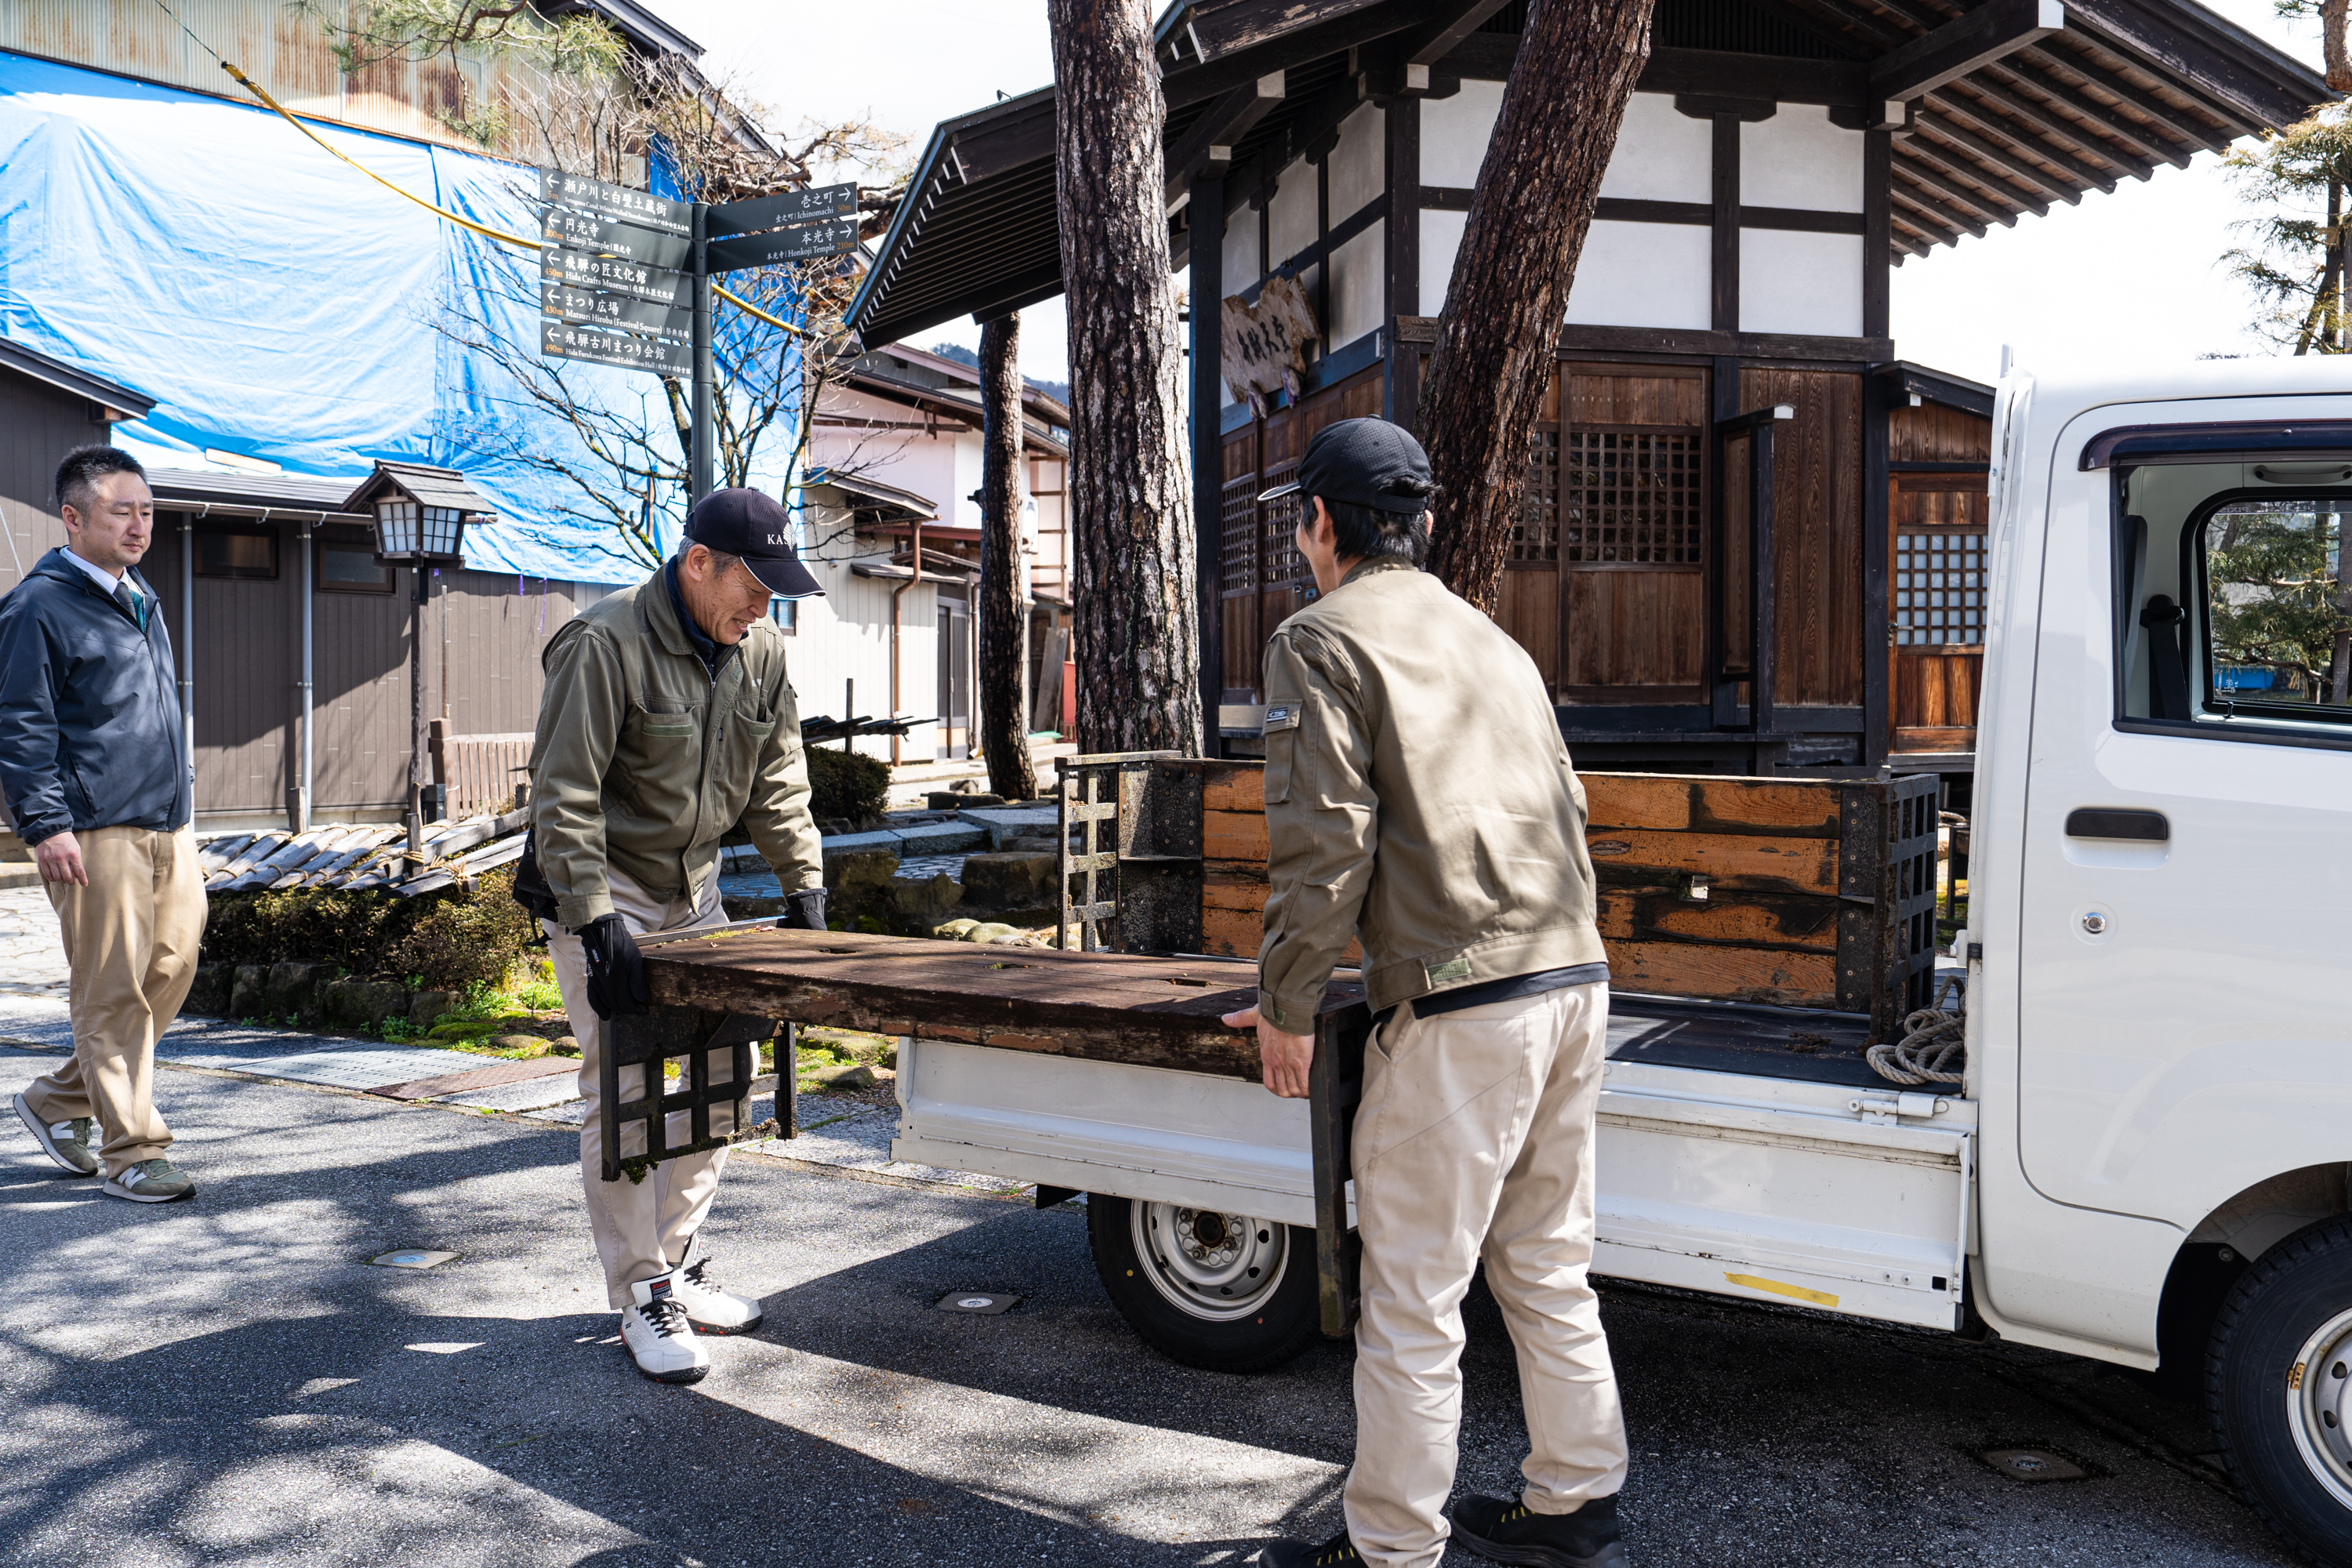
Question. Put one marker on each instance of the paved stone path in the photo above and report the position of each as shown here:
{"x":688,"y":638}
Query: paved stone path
{"x":32,"y":956}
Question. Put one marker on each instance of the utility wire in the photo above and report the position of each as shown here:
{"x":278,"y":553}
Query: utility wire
{"x":255,"y":89}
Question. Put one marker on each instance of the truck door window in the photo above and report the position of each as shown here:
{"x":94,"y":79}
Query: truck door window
{"x":2271,"y":636}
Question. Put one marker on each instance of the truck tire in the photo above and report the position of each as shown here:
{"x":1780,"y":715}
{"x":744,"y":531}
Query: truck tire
{"x":1224,"y":1292}
{"x":2278,"y":1381}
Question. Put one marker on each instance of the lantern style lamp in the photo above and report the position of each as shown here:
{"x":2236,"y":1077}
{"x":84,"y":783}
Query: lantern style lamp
{"x":420,"y":514}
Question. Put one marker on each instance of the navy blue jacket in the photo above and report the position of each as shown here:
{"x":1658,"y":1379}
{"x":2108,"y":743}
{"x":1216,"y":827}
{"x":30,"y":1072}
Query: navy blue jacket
{"x":89,"y":709}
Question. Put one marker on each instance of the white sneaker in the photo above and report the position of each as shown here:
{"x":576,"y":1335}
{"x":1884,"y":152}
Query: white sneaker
{"x":711,"y":1309}
{"x":655,"y":1330}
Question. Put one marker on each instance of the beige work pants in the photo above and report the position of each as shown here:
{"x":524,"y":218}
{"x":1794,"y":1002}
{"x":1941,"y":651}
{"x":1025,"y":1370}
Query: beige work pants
{"x":642,"y":1228}
{"x":1475,"y":1139}
{"x":131,"y":948}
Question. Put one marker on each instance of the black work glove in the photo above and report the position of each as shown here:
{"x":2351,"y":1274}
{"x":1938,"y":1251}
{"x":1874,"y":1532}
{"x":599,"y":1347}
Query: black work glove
{"x":616,"y":969}
{"x":804,"y":911}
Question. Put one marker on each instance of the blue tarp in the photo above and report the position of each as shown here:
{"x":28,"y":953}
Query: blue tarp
{"x":276,"y":303}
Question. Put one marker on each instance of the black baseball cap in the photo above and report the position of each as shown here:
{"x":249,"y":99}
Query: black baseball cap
{"x":755,"y":526}
{"x":1363,"y":462}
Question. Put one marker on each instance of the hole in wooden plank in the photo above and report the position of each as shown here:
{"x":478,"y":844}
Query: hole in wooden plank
{"x":1185,"y":980}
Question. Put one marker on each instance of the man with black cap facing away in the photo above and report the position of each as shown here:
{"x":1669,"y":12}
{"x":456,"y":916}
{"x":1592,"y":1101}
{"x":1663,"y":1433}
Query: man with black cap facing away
{"x":667,"y":719}
{"x":1418,"y":793}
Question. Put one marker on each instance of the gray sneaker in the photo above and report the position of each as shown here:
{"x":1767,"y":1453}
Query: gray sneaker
{"x":150,"y":1182}
{"x":67,"y":1142}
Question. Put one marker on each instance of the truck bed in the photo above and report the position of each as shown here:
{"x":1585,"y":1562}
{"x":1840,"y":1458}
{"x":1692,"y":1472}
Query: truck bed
{"x":1807,"y":1044}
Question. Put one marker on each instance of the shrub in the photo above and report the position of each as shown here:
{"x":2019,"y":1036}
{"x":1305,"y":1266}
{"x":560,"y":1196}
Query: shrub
{"x":466,"y":939}
{"x":452,"y":939}
{"x":845,"y":785}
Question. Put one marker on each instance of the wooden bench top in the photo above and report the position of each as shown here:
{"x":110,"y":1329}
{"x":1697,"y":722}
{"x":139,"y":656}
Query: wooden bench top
{"x":1101,"y":1007}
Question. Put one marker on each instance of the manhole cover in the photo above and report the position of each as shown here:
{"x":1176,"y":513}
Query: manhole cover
{"x":410,"y":1257}
{"x":2032,"y":1465}
{"x":979,"y":1303}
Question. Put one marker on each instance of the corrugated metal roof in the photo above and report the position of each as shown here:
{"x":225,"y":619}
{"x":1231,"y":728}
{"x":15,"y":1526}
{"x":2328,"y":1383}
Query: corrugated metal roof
{"x":251,"y":494}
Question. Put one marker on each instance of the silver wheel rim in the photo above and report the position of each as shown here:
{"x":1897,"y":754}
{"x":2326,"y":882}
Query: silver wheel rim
{"x":1207,"y":1263}
{"x":2319,"y":1406}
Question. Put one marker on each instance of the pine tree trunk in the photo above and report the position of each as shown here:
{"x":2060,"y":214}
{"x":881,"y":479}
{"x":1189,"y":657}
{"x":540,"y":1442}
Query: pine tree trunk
{"x":1498,"y":336}
{"x":1004,"y":600}
{"x":1138,"y":619}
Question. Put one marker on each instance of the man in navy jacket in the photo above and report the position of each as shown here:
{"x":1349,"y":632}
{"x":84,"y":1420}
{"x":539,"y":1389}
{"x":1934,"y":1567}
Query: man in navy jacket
{"x":96,"y":776}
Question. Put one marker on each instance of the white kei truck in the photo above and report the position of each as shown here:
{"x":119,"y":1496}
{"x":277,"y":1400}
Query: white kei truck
{"x":2146,"y":1161}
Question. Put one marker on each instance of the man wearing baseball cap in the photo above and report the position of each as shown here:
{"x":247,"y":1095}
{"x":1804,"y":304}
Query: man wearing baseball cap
{"x":1418,"y":794}
{"x":667,"y":719}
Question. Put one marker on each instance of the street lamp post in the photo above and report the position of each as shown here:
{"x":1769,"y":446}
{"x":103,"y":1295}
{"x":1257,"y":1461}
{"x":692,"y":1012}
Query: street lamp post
{"x":421,"y":514}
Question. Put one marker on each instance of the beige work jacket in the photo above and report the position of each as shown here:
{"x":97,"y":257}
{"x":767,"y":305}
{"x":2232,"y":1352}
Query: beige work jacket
{"x":1417,"y":790}
{"x":643,"y":759}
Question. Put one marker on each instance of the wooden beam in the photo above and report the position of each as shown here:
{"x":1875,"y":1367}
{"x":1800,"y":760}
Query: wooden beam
{"x":1930,"y":215}
{"x":1400,"y":282}
{"x":2001,"y":94}
{"x":2110,"y":123}
{"x":1439,"y":38}
{"x":1990,"y":153}
{"x":2048,"y":55}
{"x":1724,"y":270}
{"x":1972,"y":39}
{"x":2191,"y":46}
{"x":1208,"y":145}
{"x":1922,"y":174}
{"x":1326,"y":29}
{"x":1715,"y":73}
{"x":1953,"y":105}
{"x":1925,"y":155}
{"x":1877,"y":148}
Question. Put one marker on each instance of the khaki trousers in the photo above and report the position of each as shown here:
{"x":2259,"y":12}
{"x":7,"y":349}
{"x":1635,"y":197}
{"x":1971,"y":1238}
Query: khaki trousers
{"x":642,"y":1228}
{"x":131,"y":942}
{"x":1475,"y":1139}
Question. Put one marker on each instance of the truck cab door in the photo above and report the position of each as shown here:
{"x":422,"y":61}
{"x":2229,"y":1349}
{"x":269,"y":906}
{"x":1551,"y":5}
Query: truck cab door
{"x":2187,"y":885}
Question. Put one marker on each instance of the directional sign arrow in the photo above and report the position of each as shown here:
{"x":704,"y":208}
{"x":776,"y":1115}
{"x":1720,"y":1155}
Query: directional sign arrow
{"x":835,"y":236}
{"x":643,"y":208}
{"x":579,"y":269}
{"x":601,"y":309}
{"x":630,"y":350}
{"x":610,"y":236}
{"x":758,"y":213}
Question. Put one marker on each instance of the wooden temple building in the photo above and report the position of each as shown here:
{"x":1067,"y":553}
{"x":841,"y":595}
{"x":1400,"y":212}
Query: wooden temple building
{"x":1778,"y":158}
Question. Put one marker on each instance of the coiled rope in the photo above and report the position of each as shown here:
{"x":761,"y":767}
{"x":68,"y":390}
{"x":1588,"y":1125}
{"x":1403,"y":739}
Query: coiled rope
{"x":1932,"y":1037}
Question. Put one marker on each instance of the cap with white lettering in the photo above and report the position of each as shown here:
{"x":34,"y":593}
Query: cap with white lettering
{"x":755,"y":526}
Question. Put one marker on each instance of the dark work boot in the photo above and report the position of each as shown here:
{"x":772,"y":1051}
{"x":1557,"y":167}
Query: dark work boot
{"x":1337,"y":1553}
{"x":1507,"y":1532}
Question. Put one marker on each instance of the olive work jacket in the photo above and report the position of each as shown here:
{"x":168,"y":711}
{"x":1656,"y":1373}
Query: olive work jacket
{"x":644,"y":759}
{"x":1417,"y":790}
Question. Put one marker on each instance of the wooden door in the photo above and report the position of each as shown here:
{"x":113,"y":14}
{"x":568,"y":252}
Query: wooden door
{"x":1936,"y":597}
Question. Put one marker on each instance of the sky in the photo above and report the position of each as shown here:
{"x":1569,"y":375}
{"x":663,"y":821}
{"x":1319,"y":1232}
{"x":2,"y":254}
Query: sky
{"x":2135,"y":276}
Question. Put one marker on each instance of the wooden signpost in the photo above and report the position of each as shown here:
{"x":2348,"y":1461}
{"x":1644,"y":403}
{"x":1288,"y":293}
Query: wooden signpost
{"x":624,"y":279}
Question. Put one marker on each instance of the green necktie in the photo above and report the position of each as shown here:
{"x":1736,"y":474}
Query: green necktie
{"x":131,"y":601}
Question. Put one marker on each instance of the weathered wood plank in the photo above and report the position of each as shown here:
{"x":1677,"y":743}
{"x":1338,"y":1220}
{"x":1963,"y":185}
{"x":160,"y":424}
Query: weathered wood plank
{"x":1802,"y":808}
{"x":1233,"y":836}
{"x":1154,"y":1012}
{"x":1781,"y":922}
{"x":1234,"y":786}
{"x":1233,"y":884}
{"x":1731,"y":974}
{"x":1623,"y":857}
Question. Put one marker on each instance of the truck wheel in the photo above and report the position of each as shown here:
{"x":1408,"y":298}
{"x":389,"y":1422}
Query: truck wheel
{"x":1221,"y":1291}
{"x":2278,"y":1380}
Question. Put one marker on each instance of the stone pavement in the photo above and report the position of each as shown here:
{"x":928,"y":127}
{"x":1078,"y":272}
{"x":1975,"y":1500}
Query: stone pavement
{"x":32,"y":956}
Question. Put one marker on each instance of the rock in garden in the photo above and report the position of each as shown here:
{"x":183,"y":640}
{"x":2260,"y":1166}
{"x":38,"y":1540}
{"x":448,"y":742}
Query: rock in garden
{"x":564,"y":1045}
{"x":426,"y":1007}
{"x":526,"y":1045}
{"x":1010,"y":881}
{"x":208,"y":994}
{"x":249,"y":997}
{"x":850,"y":1074}
{"x":293,"y":988}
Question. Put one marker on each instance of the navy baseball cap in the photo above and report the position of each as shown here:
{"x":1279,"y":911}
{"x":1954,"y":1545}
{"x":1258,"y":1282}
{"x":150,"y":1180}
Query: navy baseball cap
{"x":755,"y":526}
{"x":1363,"y":462}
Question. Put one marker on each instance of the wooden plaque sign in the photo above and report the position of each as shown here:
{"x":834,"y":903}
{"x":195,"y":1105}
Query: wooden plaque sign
{"x":1266,"y":343}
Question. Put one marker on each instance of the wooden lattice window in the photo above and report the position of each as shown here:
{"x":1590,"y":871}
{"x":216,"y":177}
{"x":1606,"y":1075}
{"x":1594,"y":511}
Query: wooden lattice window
{"x":1535,"y":538}
{"x":1940,"y":589}
{"x":1632,"y":497}
{"x":1283,"y":567}
{"x":1237,"y":522}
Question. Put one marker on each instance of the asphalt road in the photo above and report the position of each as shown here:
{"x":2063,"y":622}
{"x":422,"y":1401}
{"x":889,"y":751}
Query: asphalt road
{"x":228,"y":1380}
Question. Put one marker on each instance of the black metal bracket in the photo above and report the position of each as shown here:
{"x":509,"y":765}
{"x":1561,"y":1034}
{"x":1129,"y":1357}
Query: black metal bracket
{"x":649,"y":1040}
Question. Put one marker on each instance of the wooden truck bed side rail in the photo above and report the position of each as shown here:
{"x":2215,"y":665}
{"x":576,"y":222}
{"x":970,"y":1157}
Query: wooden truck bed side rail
{"x":1796,"y":892}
